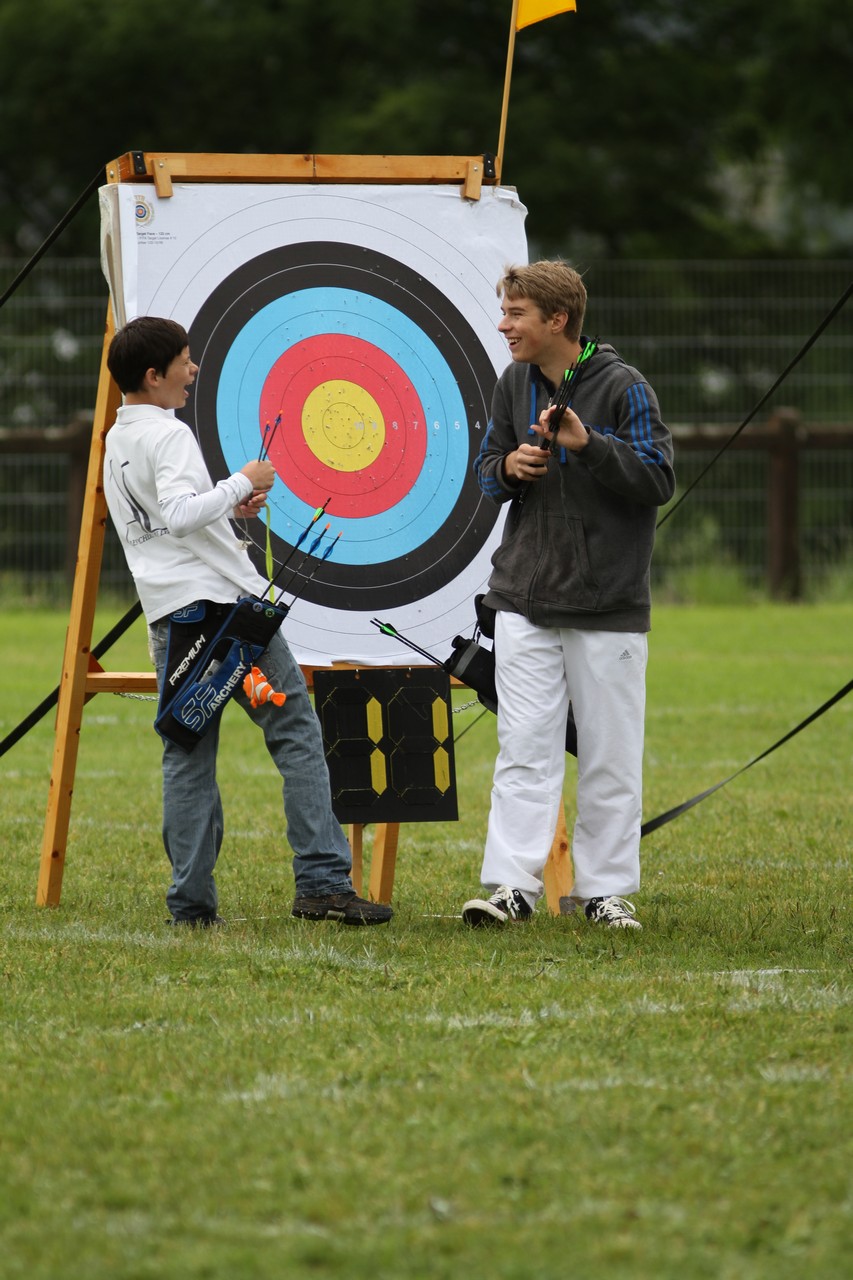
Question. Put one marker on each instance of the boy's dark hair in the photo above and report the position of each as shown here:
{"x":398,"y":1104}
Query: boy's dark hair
{"x":148,"y":342}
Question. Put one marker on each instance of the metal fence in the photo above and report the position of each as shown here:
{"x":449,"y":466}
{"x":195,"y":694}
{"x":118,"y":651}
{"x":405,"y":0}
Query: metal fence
{"x":51,"y":334}
{"x":38,"y":532}
{"x":710,"y":336}
{"x":719,"y":543}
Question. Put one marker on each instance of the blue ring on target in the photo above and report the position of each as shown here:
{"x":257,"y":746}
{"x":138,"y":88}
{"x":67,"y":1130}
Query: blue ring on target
{"x":309,"y":313}
{"x":361,"y":274}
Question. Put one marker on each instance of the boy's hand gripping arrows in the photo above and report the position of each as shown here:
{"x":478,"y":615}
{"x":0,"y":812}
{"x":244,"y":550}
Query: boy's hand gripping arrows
{"x":566,"y":393}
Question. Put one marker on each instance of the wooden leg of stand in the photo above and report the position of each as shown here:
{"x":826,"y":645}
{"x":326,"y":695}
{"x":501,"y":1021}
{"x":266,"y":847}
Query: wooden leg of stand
{"x":356,"y":838}
{"x":75,"y":663}
{"x":558,"y":874}
{"x":384,"y":861}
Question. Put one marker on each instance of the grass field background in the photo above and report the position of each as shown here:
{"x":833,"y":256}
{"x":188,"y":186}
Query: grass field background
{"x":281,"y":1099}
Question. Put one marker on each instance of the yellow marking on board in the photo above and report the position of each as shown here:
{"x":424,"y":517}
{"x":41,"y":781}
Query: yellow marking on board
{"x":373,"y":716}
{"x":440,"y":726}
{"x":441,"y":768}
{"x":378,"y":772}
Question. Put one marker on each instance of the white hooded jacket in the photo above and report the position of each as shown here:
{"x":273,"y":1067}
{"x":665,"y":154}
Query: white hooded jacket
{"x":171,"y":518}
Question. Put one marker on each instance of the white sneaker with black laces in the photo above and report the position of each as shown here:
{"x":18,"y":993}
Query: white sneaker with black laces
{"x":615,"y":913}
{"x":505,"y":904}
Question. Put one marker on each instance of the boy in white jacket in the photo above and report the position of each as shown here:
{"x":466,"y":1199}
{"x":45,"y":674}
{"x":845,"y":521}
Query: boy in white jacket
{"x":181,"y":550}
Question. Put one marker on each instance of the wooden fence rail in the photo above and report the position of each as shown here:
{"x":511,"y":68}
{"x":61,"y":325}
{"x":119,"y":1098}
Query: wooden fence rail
{"x":783,"y":437}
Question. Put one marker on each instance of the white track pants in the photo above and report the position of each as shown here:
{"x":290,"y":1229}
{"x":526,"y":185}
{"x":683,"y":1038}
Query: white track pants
{"x":603,"y":673}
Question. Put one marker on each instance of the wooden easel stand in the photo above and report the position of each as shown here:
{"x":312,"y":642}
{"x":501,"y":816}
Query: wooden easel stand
{"x":82,"y":676}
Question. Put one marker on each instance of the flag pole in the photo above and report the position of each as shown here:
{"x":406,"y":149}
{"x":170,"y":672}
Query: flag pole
{"x":507,"y":79}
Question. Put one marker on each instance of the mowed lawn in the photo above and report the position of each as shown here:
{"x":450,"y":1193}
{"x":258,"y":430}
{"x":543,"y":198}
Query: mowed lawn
{"x":280,"y":1099}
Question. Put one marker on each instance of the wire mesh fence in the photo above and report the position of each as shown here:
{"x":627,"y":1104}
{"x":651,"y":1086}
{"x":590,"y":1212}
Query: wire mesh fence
{"x":711,"y":337}
{"x":51,"y":334}
{"x":715,"y":546}
{"x":39,"y":530}
{"x":718,"y":544}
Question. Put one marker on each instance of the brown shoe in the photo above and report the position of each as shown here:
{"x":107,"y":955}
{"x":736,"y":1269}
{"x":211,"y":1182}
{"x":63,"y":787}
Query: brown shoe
{"x":346,"y":908}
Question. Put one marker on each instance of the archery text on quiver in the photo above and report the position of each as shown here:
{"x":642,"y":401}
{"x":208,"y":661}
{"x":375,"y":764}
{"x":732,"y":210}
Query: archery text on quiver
{"x":211,"y":648}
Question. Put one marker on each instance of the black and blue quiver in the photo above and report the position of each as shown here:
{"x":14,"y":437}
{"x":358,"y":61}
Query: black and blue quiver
{"x":212,"y":648}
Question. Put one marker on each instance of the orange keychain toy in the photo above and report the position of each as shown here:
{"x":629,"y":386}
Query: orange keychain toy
{"x":259,"y":690}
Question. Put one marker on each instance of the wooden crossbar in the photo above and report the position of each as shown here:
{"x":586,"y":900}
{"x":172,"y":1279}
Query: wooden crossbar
{"x":165,"y":167}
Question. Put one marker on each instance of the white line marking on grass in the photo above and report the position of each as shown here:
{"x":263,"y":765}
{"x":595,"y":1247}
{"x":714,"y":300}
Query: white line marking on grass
{"x":312,"y":954}
{"x":794,"y":1075}
{"x":74,"y":931}
{"x":268,"y":1088}
{"x":740,"y":977}
{"x":84,"y":823}
{"x":231,"y":1227}
{"x":806,"y":1002}
{"x":254,"y":836}
{"x":133,"y":1223}
{"x":549,"y":1013}
{"x":265,"y":1088}
{"x":549,"y":1087}
{"x":766,"y":988}
{"x":747,"y":975}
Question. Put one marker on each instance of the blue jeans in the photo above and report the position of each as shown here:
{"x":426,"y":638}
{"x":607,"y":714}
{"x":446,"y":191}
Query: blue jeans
{"x":193,"y":823}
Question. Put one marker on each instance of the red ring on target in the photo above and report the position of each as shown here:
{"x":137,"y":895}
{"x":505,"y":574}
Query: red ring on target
{"x":352,"y":424}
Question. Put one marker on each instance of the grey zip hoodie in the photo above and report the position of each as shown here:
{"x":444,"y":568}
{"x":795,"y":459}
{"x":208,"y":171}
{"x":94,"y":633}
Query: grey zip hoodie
{"x":577,"y":544}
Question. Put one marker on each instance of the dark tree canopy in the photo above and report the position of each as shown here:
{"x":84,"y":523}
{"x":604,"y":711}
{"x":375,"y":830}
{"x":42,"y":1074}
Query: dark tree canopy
{"x":645,"y":129}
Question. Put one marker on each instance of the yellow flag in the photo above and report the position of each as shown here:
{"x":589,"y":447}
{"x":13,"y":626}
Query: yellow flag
{"x":530,"y":11}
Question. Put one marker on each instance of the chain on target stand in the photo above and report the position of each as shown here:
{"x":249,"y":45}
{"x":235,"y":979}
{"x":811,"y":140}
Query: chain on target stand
{"x":372,"y":694}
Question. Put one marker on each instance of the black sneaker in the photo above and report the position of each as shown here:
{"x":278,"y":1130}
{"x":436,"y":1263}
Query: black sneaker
{"x":615,"y":913}
{"x":505,"y":904}
{"x":346,"y":908}
{"x":197,"y":922}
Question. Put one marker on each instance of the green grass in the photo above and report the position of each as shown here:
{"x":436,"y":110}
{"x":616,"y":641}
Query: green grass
{"x":282,"y":1099}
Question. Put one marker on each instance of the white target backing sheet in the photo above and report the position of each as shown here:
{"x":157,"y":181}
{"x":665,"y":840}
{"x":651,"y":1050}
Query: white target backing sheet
{"x":363,"y":321}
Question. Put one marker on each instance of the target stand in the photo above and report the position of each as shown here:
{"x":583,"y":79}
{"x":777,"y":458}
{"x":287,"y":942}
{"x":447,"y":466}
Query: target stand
{"x":390,"y":330}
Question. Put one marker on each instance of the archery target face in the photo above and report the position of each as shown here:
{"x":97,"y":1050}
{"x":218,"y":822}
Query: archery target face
{"x":366,"y":372}
{"x":377,"y":384}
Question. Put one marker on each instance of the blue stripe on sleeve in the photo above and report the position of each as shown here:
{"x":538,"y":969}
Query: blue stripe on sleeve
{"x":488,"y":484}
{"x":641,"y":426}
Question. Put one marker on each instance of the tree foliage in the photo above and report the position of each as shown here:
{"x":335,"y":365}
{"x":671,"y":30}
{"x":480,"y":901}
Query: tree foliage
{"x":636,"y":127}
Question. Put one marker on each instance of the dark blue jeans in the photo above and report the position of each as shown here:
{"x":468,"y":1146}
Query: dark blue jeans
{"x":193,"y":824}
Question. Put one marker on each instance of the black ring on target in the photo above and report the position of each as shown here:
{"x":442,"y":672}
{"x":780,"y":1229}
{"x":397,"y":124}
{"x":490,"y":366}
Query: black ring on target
{"x":447,"y":550}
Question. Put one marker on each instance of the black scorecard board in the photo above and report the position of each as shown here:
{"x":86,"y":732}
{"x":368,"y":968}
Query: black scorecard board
{"x":387,"y":735}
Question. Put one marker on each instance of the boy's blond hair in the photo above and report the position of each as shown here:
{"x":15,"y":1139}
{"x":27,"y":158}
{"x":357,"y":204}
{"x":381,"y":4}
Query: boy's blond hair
{"x":552,"y":285}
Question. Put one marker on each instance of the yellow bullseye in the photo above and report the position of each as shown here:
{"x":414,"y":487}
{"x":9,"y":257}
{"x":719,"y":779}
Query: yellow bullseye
{"x":343,"y":425}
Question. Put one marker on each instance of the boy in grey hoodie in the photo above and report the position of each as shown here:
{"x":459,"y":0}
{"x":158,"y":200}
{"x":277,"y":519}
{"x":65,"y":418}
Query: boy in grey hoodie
{"x":570,"y":586}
